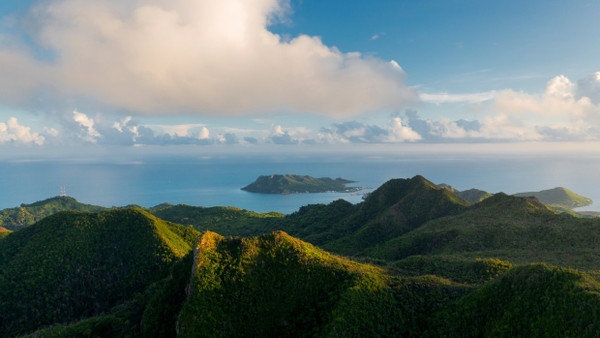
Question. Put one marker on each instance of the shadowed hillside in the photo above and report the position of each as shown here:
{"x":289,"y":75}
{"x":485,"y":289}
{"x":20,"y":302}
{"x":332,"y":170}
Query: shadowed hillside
{"x":527,"y":301}
{"x":395,"y":208}
{"x":72,"y":265}
{"x":516,"y":229}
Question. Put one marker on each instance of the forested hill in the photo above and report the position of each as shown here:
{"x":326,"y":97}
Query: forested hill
{"x":27,"y":214}
{"x":73,"y":265}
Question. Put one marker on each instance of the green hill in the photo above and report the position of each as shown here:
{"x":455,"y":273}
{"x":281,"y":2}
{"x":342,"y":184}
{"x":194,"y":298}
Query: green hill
{"x":291,"y":184}
{"x":527,"y":301}
{"x":228,"y":221}
{"x":471,"y":195}
{"x":27,"y":214}
{"x":276,"y":285}
{"x":560,"y":198}
{"x":517,"y":229}
{"x":395,"y":208}
{"x":73,"y":265}
{"x":458,"y":269}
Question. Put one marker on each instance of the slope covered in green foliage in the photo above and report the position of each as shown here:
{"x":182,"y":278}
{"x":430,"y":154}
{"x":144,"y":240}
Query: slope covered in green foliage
{"x":517,"y":229}
{"x":276,"y":285}
{"x":395,"y":208}
{"x":4,"y":232}
{"x":73,"y":265}
{"x":471,"y":195}
{"x":27,"y":214}
{"x":228,"y":221}
{"x":458,"y":269}
{"x":558,"y":197}
{"x":528,"y":301}
{"x":291,"y":184}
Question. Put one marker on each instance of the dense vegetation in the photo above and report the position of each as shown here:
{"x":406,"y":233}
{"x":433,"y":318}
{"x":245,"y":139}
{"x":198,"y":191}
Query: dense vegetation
{"x":291,"y":184}
{"x":559,"y":198}
{"x":528,"y":301}
{"x":27,"y":214}
{"x":276,"y":285}
{"x":440,"y":266}
{"x":395,"y":208}
{"x":73,"y":265}
{"x":511,"y":228}
{"x":228,"y":221}
{"x":471,"y":195}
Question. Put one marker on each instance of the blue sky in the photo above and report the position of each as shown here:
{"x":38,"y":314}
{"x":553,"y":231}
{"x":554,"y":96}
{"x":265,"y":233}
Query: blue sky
{"x":257,"y":74}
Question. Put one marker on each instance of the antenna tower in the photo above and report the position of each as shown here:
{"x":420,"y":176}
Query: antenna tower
{"x":63,"y":191}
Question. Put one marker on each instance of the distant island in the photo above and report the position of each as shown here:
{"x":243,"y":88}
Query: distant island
{"x":293,"y":184}
{"x":558,"y":198}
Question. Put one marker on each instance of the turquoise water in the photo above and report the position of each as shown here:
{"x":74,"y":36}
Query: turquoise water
{"x":217,"y":182}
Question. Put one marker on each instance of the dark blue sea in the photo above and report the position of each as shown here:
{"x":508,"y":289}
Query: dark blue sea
{"x":217,"y":181}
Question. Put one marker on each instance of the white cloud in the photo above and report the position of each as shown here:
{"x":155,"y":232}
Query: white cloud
{"x":398,"y":132}
{"x":88,"y":132}
{"x":119,"y":125}
{"x":357,"y":132}
{"x":195,"y":57}
{"x":558,"y":99}
{"x":12,"y":132}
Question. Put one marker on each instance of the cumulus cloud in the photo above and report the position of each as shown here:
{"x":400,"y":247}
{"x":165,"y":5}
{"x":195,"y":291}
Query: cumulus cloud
{"x":357,"y":132}
{"x":559,"y":99}
{"x":195,"y":57}
{"x":280,"y":136}
{"x":574,"y":107}
{"x":87,"y":131}
{"x":494,"y":128}
{"x":12,"y":132}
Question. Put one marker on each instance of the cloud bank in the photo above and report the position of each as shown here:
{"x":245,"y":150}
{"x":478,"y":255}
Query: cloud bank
{"x":191,"y":57}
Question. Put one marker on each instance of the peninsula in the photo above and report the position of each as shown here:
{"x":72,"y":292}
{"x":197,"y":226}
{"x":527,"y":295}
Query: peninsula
{"x":292,"y":184}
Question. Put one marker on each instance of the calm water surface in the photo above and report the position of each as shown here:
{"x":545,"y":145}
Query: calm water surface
{"x":217,"y":182}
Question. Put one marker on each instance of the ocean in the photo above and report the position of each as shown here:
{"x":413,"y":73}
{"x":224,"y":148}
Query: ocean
{"x":208,"y":181}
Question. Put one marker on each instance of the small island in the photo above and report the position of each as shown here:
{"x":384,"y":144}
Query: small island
{"x":292,"y":184}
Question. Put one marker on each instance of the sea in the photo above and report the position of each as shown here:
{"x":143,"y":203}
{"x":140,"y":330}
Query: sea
{"x":216,"y":181}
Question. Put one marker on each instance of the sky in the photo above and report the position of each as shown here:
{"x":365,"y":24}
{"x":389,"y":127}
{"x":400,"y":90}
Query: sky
{"x":252,"y":75}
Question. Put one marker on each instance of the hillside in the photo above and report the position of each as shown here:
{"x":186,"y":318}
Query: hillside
{"x":73,"y":265}
{"x":527,"y":301}
{"x":4,"y":232}
{"x":228,"y":221}
{"x":291,"y":184}
{"x":395,"y":208}
{"x":27,"y":214}
{"x":558,"y":197}
{"x":471,"y":195}
{"x":276,"y":285}
{"x":517,"y":229}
